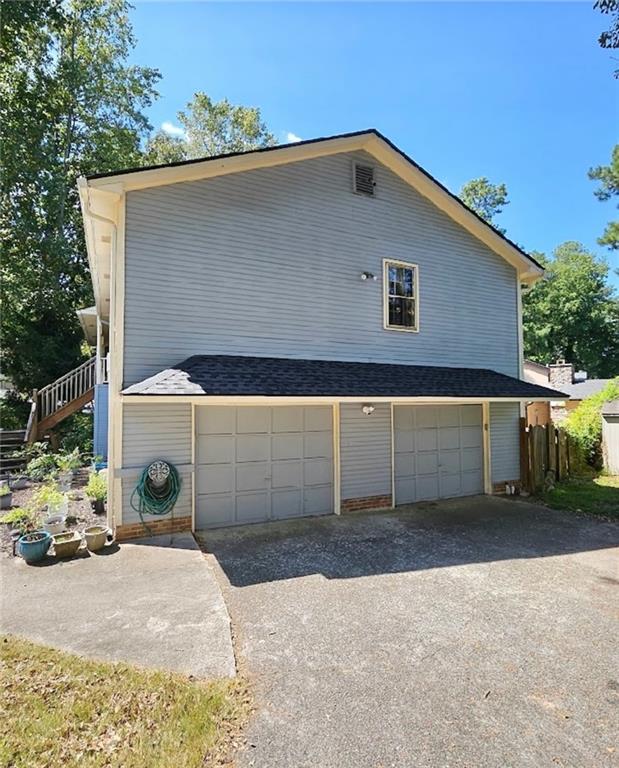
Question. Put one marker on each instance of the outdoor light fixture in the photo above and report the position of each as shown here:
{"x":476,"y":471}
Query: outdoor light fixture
{"x":368,"y":276}
{"x":368,"y":409}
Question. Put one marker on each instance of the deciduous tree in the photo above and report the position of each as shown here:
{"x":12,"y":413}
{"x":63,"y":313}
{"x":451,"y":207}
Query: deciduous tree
{"x":70,"y":104}
{"x":573,"y":313}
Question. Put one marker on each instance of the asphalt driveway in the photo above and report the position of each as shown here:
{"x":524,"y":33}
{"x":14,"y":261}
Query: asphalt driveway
{"x":477,"y":633}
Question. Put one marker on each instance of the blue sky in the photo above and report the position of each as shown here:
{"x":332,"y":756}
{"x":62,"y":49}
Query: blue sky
{"x":518,"y":92}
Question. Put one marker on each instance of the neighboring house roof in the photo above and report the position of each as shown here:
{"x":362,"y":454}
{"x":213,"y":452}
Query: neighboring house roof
{"x":581,"y":389}
{"x":223,"y":375}
{"x":611,"y":408}
{"x":536,"y":366}
{"x":99,"y":194}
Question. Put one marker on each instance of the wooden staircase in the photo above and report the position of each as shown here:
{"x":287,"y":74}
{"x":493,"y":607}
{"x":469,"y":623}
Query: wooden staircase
{"x":60,"y":399}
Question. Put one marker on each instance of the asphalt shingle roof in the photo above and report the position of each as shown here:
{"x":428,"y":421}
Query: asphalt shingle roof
{"x":225,"y":375}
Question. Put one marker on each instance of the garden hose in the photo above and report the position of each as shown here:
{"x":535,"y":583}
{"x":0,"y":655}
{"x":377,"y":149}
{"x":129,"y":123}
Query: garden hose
{"x":157,"y":491}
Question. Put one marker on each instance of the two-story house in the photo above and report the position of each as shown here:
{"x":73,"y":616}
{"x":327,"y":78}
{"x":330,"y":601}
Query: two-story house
{"x":303,"y":330}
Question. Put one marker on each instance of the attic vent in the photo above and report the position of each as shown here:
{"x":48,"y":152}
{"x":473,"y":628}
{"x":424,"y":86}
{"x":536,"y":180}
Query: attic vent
{"x":363,"y":180}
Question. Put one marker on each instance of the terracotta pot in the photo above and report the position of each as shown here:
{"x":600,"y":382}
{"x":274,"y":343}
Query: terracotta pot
{"x":96,"y":536}
{"x":66,"y":544}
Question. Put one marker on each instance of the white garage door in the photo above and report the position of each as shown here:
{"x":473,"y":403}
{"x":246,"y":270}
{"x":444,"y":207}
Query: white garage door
{"x":262,"y":463}
{"x":438,"y":452}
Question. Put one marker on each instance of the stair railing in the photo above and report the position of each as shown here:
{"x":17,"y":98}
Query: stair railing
{"x":67,"y":388}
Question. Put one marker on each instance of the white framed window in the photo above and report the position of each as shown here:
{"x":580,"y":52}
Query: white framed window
{"x":400,"y":295}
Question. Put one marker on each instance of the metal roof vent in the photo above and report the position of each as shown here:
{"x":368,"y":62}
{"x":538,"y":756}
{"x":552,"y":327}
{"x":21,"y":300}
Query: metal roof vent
{"x":363,"y":180}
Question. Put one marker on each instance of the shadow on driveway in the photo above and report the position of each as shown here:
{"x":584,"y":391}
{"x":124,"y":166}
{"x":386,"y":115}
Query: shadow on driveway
{"x":417,"y":537}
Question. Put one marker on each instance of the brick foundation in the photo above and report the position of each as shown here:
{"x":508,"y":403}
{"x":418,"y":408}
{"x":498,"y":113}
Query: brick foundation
{"x":167,"y":525}
{"x":366,"y":502}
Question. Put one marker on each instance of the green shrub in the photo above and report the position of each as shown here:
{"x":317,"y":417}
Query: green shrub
{"x":68,"y":461}
{"x":42,"y":467}
{"x":584,"y":424}
{"x":96,"y":487}
{"x":48,"y":496}
{"x":17,"y":516}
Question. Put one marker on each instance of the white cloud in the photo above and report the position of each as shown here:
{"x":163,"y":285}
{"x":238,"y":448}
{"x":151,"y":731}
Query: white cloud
{"x":292,"y":137}
{"x":172,"y":130}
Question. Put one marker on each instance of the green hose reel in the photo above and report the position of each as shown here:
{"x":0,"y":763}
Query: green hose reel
{"x":156,"y":491}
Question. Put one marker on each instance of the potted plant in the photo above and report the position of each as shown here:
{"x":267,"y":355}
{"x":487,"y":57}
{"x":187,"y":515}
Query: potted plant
{"x":33,"y":546}
{"x":96,"y":536}
{"x":18,"y":482}
{"x":66,"y":463}
{"x":55,"y":504}
{"x":6,"y":496}
{"x":66,"y":544}
{"x":96,"y":490}
{"x":16,"y":518}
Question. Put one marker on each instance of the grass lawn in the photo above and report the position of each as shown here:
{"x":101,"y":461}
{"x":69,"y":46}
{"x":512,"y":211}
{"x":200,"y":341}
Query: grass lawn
{"x":62,"y":710}
{"x":594,"y":495}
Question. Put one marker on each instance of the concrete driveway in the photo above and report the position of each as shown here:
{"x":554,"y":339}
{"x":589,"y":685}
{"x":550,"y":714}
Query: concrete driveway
{"x":478,"y":633}
{"x":153,"y":602}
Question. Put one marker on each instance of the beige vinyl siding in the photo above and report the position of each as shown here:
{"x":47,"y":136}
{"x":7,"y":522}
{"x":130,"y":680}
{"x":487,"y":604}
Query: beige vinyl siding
{"x":365,"y":451}
{"x":268,"y":262}
{"x":505,"y":441}
{"x":156,"y":431}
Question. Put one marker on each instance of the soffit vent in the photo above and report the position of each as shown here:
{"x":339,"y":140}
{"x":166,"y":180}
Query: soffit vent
{"x":363,"y":180}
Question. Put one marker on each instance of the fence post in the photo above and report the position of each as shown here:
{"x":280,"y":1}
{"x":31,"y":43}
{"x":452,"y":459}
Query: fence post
{"x":524,"y":455}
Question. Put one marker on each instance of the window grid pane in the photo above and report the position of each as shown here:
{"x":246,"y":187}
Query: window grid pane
{"x":401,"y":296}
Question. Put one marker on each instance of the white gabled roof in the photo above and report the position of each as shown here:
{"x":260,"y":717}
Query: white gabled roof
{"x":100,"y":193}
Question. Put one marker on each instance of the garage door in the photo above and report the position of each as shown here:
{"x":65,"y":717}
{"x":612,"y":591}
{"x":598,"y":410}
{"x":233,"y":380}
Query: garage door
{"x":438,"y":452}
{"x":261,"y":463}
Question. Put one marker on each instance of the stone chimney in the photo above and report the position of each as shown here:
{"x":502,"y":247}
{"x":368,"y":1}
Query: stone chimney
{"x":560,"y":374}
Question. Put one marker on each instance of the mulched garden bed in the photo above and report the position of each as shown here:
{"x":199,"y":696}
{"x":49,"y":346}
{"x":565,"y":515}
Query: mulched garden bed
{"x":80,"y":516}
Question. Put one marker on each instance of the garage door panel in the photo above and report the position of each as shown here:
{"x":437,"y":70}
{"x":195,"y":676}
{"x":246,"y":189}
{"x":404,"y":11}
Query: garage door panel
{"x":252,"y":507}
{"x":253,"y":419}
{"x":253,"y":476}
{"x":317,"y":472}
{"x":403,"y":418}
{"x":288,"y":419}
{"x":286,"y":447}
{"x":472,"y":482}
{"x":318,"y":501}
{"x":426,"y":439}
{"x":472,"y":458}
{"x":218,"y":478}
{"x":470,"y":416}
{"x":404,"y":441}
{"x":449,"y":416}
{"x":471,"y":437}
{"x":217,"y":509}
{"x":286,"y":504}
{"x":450,"y":462}
{"x":318,"y":445}
{"x":287,"y":474}
{"x":216,"y":420}
{"x":405,"y":490}
{"x":449,"y":437}
{"x":427,"y":487}
{"x":425,"y":417}
{"x":318,"y":419}
{"x":427,"y":463}
{"x":404,"y":464}
{"x":253,"y":448}
{"x":216,"y":449}
{"x":451,"y":485}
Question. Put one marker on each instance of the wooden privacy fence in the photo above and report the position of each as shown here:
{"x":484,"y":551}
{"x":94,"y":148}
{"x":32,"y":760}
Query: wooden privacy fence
{"x":543,"y":449}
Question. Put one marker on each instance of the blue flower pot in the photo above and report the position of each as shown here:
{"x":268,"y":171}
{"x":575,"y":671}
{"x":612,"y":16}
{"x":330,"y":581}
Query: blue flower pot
{"x":33,"y":551}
